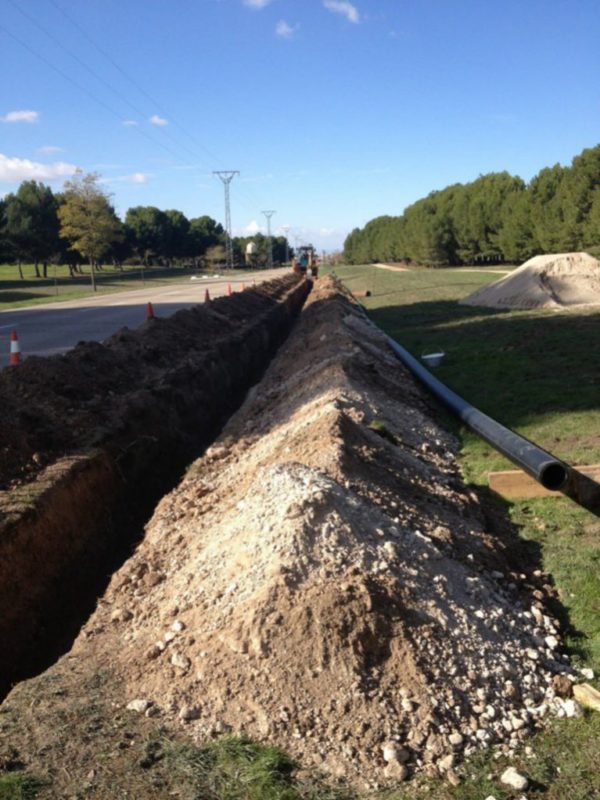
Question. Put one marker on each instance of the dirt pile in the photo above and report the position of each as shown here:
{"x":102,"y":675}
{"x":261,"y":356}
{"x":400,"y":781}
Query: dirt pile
{"x":90,"y":441}
{"x":550,"y":281}
{"x":322,"y":580}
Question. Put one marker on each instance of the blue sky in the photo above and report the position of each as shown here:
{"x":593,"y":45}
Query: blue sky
{"x":334,"y":112}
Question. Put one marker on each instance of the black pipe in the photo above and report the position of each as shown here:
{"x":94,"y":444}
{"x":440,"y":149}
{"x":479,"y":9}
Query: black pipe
{"x":552,"y":473}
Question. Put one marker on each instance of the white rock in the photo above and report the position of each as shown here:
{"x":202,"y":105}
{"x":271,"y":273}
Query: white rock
{"x":393,"y":752}
{"x":446,"y":763}
{"x":456,"y":739}
{"x":178,"y":626}
{"x":572,"y":708}
{"x":138,"y":705}
{"x":181,"y":661}
{"x":188,"y":713}
{"x":510,"y":777}
{"x":587,"y":673}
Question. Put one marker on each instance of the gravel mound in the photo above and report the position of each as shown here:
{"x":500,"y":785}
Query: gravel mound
{"x":323,"y":580}
{"x":550,"y":281}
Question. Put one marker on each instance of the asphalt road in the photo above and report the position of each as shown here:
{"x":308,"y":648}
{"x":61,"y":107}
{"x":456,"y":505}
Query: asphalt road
{"x":51,"y":328}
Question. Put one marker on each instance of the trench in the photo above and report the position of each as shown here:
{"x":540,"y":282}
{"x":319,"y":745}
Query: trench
{"x":64,"y":535}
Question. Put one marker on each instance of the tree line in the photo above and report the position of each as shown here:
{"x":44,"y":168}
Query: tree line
{"x":496,"y":218}
{"x":79,"y":225}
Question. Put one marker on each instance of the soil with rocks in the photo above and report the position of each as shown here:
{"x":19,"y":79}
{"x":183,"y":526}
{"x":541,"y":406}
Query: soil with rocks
{"x":321,"y":580}
{"x":549,"y":282}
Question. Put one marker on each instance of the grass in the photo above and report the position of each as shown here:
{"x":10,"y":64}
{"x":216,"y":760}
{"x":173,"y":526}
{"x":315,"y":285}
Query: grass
{"x":537,"y":373}
{"x":59,"y":285}
{"x":235,"y":768}
{"x":18,"y":786}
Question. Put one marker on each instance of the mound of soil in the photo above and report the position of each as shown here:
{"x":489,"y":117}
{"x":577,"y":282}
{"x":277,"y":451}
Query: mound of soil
{"x":54,"y":407}
{"x":550,"y":281}
{"x":321,"y":580}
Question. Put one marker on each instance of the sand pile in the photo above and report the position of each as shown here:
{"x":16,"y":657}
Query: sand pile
{"x":322,"y":580}
{"x":550,"y":281}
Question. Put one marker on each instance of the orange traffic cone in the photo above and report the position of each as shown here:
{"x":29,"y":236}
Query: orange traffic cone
{"x":206,"y":297}
{"x":15,"y":350}
{"x":149,"y":311}
{"x":229,"y":292}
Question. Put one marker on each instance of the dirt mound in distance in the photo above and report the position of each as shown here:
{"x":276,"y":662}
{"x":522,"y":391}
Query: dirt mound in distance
{"x":321,"y":580}
{"x":550,"y":281}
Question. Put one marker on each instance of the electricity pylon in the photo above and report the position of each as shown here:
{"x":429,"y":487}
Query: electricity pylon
{"x":227,"y":176}
{"x":268,"y":215}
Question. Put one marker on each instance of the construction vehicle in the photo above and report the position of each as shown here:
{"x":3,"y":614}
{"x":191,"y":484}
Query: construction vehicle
{"x":306,"y":259}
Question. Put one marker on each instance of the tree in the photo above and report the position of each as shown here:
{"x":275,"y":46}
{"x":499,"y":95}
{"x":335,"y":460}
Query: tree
{"x":31,"y":223}
{"x":88,"y":220}
{"x":177,"y":235}
{"x":148,"y":228}
{"x":204,"y":232}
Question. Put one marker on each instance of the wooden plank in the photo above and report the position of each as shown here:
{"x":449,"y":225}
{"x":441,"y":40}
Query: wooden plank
{"x":514,"y":483}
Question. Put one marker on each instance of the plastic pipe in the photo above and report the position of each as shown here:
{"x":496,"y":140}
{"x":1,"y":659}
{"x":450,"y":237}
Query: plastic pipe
{"x":552,"y":473}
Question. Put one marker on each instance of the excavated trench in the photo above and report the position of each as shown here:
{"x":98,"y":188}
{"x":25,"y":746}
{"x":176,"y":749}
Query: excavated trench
{"x":91,"y":440}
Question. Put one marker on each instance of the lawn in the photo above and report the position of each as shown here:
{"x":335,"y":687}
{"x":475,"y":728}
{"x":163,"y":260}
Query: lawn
{"x":537,"y":373}
{"x":16,"y":292}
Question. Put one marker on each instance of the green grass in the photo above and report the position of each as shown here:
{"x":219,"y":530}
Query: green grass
{"x":18,"y":786}
{"x":16,"y":293}
{"x":538,"y":373}
{"x":235,"y":768}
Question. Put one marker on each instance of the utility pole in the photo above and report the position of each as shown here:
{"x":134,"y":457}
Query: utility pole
{"x":268,"y":215}
{"x":286,"y":230}
{"x":227,"y":176}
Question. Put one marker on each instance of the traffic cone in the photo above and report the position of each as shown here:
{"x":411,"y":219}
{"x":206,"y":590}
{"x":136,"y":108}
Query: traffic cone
{"x":15,"y":350}
{"x":229,"y":292}
{"x":206,"y":297}
{"x":149,"y":311}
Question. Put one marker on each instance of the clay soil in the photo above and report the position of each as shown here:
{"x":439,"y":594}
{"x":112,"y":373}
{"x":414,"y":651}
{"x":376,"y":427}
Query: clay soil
{"x":321,"y":580}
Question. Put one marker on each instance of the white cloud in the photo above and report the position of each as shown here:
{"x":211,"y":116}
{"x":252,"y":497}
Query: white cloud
{"x":258,"y":4}
{"x":134,"y":177}
{"x":156,"y":120}
{"x":21,"y":116}
{"x":343,"y":7}
{"x":252,"y":228}
{"x":15,"y":170}
{"x":49,"y":149}
{"x":284,"y":30}
{"x":130,"y":123}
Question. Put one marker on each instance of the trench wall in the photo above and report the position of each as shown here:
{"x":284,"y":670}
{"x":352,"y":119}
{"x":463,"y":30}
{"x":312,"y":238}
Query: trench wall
{"x":65,"y":531}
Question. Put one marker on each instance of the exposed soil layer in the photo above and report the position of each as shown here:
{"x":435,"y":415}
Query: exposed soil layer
{"x":321,"y":580}
{"x":550,"y":281}
{"x":90,"y":440}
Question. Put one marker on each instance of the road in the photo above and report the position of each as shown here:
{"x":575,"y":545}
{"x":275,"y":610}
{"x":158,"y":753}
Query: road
{"x":51,"y":328}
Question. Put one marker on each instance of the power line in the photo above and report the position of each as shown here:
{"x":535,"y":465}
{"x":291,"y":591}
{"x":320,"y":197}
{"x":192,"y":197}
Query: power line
{"x":132,"y":80}
{"x":114,"y":90}
{"x":86,"y":91}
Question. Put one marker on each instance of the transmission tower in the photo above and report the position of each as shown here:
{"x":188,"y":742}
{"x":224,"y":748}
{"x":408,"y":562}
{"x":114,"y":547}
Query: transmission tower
{"x":227,"y":176}
{"x":268,"y":215}
{"x":286,"y":230}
